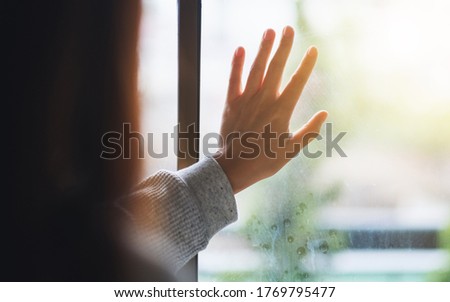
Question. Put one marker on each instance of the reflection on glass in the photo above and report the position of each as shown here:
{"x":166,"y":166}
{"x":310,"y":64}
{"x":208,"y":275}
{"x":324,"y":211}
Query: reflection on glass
{"x":378,"y":209}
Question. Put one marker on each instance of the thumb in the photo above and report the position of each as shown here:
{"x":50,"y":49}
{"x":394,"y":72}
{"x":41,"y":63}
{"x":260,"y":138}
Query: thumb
{"x":310,"y":130}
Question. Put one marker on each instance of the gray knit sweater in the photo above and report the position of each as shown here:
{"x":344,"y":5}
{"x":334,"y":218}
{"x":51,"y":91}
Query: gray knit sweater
{"x":175,"y":214}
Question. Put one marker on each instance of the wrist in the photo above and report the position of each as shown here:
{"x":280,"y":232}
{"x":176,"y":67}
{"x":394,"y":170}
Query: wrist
{"x":231,"y":171}
{"x":240,"y":172}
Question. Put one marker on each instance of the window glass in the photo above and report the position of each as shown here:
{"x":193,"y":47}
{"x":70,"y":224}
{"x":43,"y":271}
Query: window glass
{"x":158,"y":83}
{"x":375,"y":204}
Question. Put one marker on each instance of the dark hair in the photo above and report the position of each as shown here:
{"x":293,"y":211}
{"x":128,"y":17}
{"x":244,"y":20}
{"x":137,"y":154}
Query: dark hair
{"x":70,"y":76}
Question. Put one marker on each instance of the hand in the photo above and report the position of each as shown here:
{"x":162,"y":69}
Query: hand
{"x":255,"y":124}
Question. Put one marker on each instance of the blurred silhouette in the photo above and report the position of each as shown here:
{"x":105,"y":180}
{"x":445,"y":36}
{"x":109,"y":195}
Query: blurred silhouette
{"x":70,"y":75}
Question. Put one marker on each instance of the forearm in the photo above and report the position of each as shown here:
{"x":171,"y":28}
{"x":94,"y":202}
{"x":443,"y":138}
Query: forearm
{"x":175,"y":214}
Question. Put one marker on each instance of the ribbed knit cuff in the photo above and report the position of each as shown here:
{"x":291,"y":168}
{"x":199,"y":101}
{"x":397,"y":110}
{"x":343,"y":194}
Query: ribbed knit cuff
{"x":210,"y":185}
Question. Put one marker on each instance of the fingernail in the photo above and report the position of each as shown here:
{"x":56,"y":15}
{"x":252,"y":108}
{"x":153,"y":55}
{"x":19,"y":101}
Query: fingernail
{"x":239,"y":52}
{"x":268,"y":35}
{"x":288,"y":31}
{"x":312,"y":51}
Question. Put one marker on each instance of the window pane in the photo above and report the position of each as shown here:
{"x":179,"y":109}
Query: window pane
{"x":375,"y":204}
{"x":158,"y":82}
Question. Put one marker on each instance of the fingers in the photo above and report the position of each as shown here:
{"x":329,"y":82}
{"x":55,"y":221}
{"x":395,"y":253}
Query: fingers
{"x":294,"y":88}
{"x":258,"y":69}
{"x":235,"y":82}
{"x":309,"y":131}
{"x":274,"y":75}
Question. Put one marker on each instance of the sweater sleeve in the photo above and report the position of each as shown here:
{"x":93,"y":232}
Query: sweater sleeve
{"x":175,"y":214}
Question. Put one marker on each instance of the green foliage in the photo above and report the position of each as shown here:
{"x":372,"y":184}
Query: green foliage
{"x":443,"y":275}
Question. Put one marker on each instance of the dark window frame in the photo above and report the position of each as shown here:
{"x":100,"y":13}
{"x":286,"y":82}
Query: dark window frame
{"x":189,"y":45}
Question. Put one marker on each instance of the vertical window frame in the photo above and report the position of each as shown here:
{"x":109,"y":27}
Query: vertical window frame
{"x":189,"y":45}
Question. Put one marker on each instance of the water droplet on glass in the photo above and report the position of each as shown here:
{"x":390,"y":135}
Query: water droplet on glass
{"x":287,"y":222}
{"x":323,"y":247}
{"x":301,"y":276}
{"x":301,"y":251}
{"x":303,"y":206}
{"x":274,"y":227}
{"x":290,"y":239}
{"x":265,"y":246}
